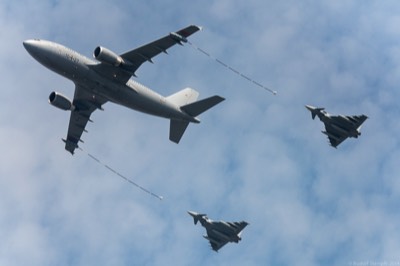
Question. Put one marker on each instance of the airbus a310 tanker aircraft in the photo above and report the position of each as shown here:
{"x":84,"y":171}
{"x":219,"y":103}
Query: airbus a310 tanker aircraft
{"x":109,"y":79}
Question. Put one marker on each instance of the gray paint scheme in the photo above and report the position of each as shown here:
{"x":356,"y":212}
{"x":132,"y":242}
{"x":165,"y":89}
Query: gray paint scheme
{"x":110,"y":80}
{"x":219,"y":233}
{"x":338,"y":128}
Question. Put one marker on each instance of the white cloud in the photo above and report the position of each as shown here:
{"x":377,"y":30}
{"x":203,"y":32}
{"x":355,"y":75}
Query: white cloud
{"x":255,"y":157}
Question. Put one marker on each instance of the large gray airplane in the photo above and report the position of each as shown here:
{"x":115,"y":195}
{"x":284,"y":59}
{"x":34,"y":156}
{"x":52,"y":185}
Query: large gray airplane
{"x":338,"y":128}
{"x":109,"y":79}
{"x":219,"y":233}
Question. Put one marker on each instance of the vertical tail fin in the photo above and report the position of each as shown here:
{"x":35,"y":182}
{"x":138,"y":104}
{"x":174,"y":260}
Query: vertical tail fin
{"x":196,"y":216}
{"x":178,"y":127}
{"x":183,"y":97}
{"x":314,"y":110}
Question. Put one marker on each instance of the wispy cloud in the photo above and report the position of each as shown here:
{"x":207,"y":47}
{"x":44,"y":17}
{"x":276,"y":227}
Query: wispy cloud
{"x":255,"y":157}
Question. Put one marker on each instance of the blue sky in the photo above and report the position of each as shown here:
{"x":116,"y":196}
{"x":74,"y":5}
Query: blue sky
{"x":255,"y":157}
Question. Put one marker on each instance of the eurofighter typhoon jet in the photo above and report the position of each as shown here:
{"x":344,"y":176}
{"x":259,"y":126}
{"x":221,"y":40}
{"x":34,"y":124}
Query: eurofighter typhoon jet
{"x":109,"y":79}
{"x":338,"y":128}
{"x":219,"y":233}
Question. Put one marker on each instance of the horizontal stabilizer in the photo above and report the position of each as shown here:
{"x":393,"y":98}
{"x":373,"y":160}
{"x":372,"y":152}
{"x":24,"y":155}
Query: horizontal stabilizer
{"x":196,"y":108}
{"x":176,"y":129}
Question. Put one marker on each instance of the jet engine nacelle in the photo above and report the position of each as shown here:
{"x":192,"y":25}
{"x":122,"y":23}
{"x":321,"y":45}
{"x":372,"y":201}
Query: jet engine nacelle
{"x":107,"y":56}
{"x":60,"y":101}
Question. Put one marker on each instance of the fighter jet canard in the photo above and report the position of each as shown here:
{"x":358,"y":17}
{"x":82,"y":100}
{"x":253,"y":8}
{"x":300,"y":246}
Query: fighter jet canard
{"x":338,"y":128}
{"x":109,"y":79}
{"x":219,"y":233}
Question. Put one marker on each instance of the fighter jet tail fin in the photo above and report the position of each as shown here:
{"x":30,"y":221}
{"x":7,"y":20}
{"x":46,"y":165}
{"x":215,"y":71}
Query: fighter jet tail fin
{"x":314,"y":110}
{"x":196,"y":216}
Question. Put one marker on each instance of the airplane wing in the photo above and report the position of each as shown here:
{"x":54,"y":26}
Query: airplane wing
{"x":357,"y":120}
{"x":238,"y":226}
{"x":217,"y":245}
{"x":222,"y":231}
{"x":145,"y":53}
{"x":350,"y":122}
{"x":216,"y":242}
{"x":335,"y":137}
{"x":347,"y":122}
{"x":85,"y":104}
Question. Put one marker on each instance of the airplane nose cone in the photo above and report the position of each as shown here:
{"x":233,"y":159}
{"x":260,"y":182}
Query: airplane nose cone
{"x":29,"y":44}
{"x":33,"y":46}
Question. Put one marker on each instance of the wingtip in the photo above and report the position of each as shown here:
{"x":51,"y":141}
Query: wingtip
{"x":221,"y":98}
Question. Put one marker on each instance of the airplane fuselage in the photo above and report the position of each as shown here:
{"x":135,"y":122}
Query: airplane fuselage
{"x":218,"y":230}
{"x":342,"y":124}
{"x":338,"y":127}
{"x":80,"y":70}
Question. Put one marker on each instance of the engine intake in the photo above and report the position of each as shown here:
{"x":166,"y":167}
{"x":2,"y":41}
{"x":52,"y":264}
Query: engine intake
{"x":107,"y":56}
{"x":60,"y":101}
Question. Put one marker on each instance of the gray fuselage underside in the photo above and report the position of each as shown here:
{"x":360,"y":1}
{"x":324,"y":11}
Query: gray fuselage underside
{"x":80,"y":70}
